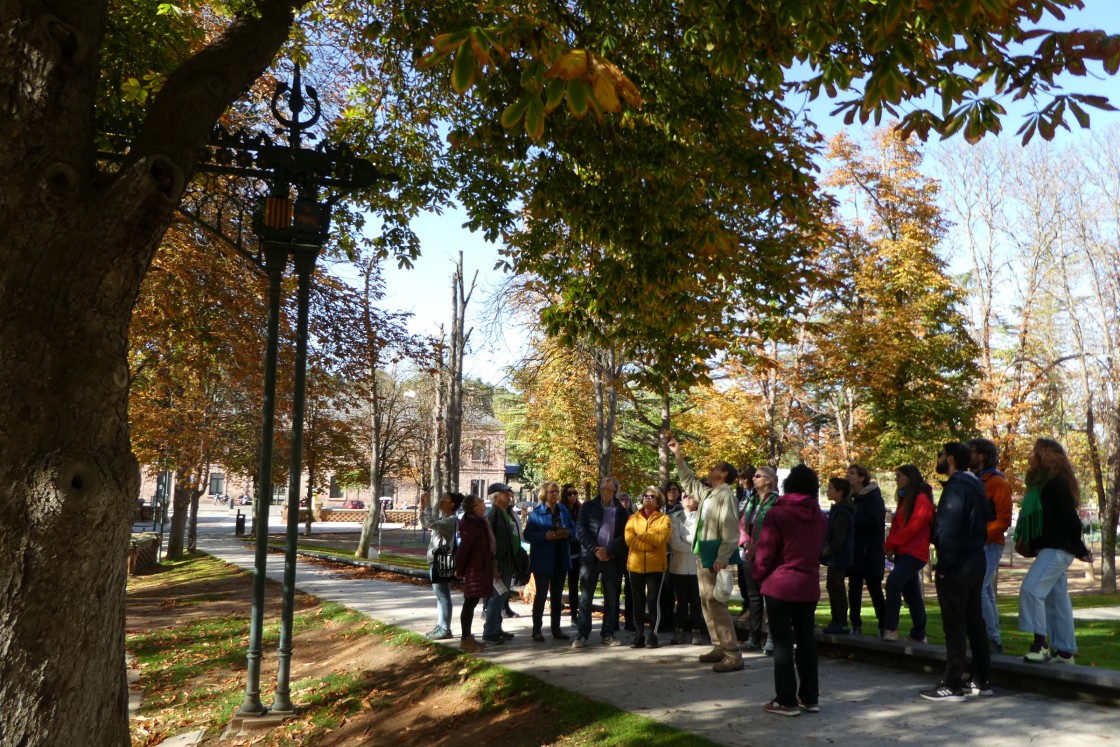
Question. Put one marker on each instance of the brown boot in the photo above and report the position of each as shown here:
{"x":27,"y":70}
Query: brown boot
{"x":729,"y":663}
{"x":470,"y":644}
{"x":716,"y":654}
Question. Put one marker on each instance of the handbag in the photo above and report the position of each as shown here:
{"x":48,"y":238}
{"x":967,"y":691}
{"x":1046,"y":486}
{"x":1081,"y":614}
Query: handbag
{"x":443,"y":565}
{"x":1023,"y":547}
{"x":521,"y":566}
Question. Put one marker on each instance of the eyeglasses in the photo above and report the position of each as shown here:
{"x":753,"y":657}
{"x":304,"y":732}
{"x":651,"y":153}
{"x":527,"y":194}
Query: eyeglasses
{"x":760,"y":477}
{"x":554,"y":492}
{"x":651,"y":496}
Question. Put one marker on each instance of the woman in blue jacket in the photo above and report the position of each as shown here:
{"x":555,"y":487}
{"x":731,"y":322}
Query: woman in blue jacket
{"x":547,"y":531}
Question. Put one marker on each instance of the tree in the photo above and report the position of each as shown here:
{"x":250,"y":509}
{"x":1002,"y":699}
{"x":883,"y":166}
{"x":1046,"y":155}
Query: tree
{"x":194,"y":361}
{"x":79,"y":235}
{"x":896,"y":334}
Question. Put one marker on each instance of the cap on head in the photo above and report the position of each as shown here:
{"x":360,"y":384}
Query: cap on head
{"x":498,"y":487}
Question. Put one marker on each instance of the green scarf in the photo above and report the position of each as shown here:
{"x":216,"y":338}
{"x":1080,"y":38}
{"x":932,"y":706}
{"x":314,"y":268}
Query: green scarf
{"x":1029,"y":525}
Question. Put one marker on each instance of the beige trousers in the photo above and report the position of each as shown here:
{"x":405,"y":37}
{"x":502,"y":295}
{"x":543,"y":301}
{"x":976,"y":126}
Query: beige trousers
{"x":719,"y":621}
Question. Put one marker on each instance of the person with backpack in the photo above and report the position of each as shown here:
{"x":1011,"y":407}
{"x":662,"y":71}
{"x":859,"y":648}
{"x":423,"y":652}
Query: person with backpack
{"x":443,"y":526}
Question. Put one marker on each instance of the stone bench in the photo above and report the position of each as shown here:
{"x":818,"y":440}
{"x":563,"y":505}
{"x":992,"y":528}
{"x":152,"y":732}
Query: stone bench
{"x":1070,"y":681}
{"x":143,"y":553}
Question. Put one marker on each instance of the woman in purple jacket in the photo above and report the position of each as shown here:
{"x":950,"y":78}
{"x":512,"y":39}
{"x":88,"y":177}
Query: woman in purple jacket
{"x":786,"y":565}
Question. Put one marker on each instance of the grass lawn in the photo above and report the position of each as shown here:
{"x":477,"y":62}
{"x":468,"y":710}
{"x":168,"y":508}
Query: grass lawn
{"x":357,"y":679}
{"x":1096,"y":639}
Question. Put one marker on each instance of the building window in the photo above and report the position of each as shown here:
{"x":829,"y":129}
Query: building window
{"x":217,"y":483}
{"x":335,"y":489}
{"x":478,"y":450}
{"x":478,"y":487}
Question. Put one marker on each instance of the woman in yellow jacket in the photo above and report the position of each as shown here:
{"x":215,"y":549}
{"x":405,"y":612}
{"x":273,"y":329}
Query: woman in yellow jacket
{"x":647,"y":537}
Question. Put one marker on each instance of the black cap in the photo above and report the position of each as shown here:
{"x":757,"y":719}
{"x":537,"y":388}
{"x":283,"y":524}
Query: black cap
{"x":498,"y":487}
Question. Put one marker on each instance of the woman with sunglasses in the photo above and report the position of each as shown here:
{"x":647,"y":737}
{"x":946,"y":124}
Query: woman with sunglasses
{"x":647,"y":537}
{"x":765,"y":495}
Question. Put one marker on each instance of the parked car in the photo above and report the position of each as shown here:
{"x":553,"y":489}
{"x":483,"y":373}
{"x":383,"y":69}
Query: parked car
{"x":354,"y":503}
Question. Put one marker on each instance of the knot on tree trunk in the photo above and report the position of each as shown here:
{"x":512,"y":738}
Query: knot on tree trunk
{"x":69,"y":43}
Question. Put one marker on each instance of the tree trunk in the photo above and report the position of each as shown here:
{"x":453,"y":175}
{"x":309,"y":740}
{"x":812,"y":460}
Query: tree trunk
{"x":438,"y":479}
{"x":603,"y":374}
{"x":664,"y":456}
{"x":372,"y":521}
{"x":74,"y":247}
{"x":192,"y":522}
{"x":461,"y":297}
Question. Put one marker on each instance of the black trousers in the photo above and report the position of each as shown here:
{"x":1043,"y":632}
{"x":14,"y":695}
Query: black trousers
{"x":795,"y":673}
{"x":688,"y":615}
{"x":573,"y":588}
{"x":958,"y":593}
{"x":553,"y":585}
{"x":752,"y":599}
{"x":857,"y":577}
{"x":647,"y":589}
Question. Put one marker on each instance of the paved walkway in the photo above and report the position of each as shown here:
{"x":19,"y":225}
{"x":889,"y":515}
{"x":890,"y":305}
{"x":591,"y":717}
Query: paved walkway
{"x":860,"y":704}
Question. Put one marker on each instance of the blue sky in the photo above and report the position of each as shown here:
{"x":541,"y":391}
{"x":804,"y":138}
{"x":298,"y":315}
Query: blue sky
{"x":424,"y":290}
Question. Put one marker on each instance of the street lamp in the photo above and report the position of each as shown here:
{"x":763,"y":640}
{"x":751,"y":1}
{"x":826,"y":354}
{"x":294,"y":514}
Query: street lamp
{"x":290,"y":221}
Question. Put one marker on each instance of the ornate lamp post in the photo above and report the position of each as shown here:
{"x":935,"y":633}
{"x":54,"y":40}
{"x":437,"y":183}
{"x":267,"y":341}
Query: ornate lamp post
{"x":291,"y":221}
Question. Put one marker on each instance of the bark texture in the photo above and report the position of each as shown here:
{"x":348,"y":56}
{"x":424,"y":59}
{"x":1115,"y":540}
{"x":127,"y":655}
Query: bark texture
{"x":74,"y":247}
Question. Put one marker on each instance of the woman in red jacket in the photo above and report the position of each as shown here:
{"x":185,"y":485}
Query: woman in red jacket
{"x":908,"y":546}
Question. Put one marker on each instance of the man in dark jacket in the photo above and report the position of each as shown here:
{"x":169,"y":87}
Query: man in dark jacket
{"x":507,"y":545}
{"x":601,"y":530}
{"x":959,"y":534}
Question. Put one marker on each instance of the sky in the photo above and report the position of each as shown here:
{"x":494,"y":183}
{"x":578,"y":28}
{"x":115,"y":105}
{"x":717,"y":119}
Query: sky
{"x":424,"y":290}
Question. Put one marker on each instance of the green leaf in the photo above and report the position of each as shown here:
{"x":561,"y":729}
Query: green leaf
{"x":1081,"y":114}
{"x":534,"y":117}
{"x":463,"y":71}
{"x":554,"y":94}
{"x":515,"y":111}
{"x":577,"y":97}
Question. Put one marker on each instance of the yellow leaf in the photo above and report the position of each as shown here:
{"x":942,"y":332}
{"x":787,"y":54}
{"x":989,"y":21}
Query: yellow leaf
{"x":603,"y":91}
{"x":571,"y":65}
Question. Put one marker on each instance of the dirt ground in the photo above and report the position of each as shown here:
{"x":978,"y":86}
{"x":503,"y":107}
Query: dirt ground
{"x":371,"y":686}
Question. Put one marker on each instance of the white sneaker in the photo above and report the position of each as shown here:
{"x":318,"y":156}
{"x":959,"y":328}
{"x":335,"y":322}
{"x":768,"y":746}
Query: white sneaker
{"x":579,"y":642}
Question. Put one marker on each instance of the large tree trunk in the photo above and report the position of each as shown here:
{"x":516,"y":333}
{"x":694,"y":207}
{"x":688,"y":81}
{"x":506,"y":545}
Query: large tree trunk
{"x":74,"y":247}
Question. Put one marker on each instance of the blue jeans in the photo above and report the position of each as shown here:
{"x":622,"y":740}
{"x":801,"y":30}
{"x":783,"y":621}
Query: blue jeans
{"x":443,"y":605}
{"x":1044,"y":606}
{"x":495,"y":606}
{"x":905,"y":582}
{"x":992,"y":552}
{"x":590,"y":572}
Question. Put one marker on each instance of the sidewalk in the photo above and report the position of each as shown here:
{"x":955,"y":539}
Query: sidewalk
{"x":860,"y":704}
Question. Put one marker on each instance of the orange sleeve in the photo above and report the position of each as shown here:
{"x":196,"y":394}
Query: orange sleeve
{"x":1000,"y":492}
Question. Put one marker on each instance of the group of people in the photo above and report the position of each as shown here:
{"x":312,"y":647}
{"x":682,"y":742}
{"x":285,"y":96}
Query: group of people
{"x":967,"y":528}
{"x":703,"y":535}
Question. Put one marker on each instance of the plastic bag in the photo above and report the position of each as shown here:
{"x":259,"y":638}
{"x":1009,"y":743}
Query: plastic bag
{"x":725,"y":584}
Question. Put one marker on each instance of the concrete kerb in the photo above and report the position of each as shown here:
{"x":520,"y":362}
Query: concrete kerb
{"x":861,"y":704}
